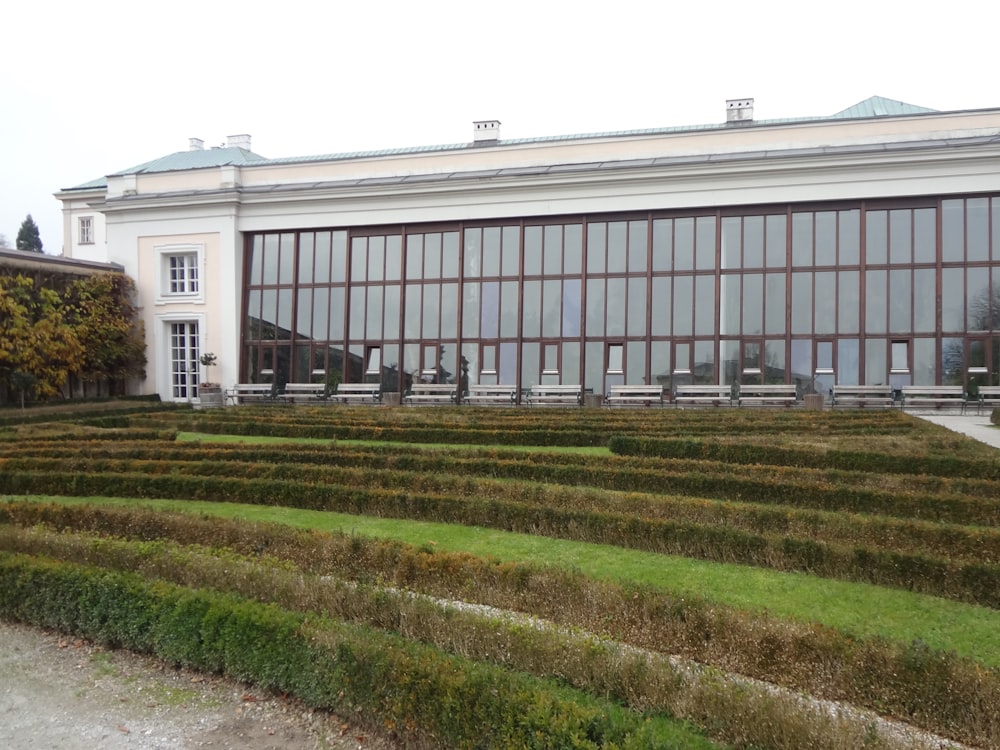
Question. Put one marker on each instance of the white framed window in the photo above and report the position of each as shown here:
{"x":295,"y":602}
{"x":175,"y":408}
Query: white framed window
{"x":183,"y":274}
{"x":180,"y":269}
{"x":86,"y":233}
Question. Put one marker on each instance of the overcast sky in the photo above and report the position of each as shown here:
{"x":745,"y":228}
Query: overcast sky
{"x":91,"y":88}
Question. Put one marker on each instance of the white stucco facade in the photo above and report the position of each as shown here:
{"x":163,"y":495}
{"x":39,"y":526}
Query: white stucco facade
{"x":207,"y":211}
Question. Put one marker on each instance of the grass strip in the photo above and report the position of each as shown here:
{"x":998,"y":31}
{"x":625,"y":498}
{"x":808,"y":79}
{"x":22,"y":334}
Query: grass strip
{"x":859,"y":609}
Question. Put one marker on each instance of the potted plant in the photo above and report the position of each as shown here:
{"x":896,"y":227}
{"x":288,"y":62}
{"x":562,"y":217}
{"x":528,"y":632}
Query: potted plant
{"x":209,"y":393}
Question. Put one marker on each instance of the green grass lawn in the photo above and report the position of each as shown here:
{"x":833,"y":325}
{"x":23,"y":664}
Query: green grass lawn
{"x":860,"y":609}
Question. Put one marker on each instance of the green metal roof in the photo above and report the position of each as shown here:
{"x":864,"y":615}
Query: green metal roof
{"x":879,"y":106}
{"x":875,"y":106}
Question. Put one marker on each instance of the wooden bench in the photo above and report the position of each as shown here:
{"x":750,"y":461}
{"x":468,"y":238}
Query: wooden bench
{"x":251,"y":393}
{"x":303,"y":393}
{"x":703,"y":395}
{"x":431,"y":394}
{"x":767,"y":395}
{"x":357,"y":393}
{"x":862,"y":395}
{"x":936,"y":396}
{"x":634,"y":395}
{"x":555,"y":395}
{"x":491,"y":395}
{"x":989,"y":397}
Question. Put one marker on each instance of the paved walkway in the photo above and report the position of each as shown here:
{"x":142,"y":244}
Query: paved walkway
{"x":978,"y":427}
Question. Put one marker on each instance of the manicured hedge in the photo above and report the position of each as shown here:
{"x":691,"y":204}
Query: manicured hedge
{"x":937,"y":691}
{"x":756,"y":453}
{"x":421,"y":692}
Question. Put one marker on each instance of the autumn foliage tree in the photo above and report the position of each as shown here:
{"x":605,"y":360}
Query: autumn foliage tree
{"x":35,"y":338}
{"x":105,"y":319}
{"x":85,"y":328}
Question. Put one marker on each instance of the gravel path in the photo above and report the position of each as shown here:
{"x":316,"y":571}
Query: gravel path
{"x":68,"y":694}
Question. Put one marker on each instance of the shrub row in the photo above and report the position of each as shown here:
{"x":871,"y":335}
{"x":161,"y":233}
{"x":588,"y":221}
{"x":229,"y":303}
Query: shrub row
{"x":967,"y":502}
{"x":738,"y":711}
{"x":502,"y":426}
{"x":448,"y":701}
{"x":963,"y":581}
{"x":934,"y":689}
{"x":877,"y":533}
{"x":747,"y":452}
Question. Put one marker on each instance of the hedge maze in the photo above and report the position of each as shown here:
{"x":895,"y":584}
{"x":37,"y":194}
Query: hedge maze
{"x":873,"y":536}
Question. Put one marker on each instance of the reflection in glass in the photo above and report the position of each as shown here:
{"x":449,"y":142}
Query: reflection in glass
{"x":952,"y":299}
{"x":286,"y":271}
{"x":571,"y":307}
{"x":705,"y":242}
{"x":704,"y":305}
{"x":753,"y":303}
{"x":876,"y":308}
{"x":876,"y":237}
{"x":490,"y":327}
{"x":683,"y":306}
{"x":848,"y":367}
{"x":432,"y":255}
{"x":373,"y":329}
{"x":596,"y":304}
{"x":802,"y":239}
{"x":511,"y":251}
{"x":509,"y":307}
{"x":303,"y":316}
{"x":660,"y":323}
{"x":284,"y":313}
{"x":321,"y":263}
{"x":413,"y":305}
{"x":900,"y":236}
{"x":637,"y":234}
{"x":952,"y":231}
{"x":449,"y":255}
{"x":826,"y":238}
{"x":825,"y":300}
{"x":491,"y":251}
{"x":392,"y":312}
{"x":900,"y":300}
{"x":729,"y":302}
{"x":775,"y":241}
{"x":802,"y":303}
{"x":924,"y":235}
{"x":449,"y":311}
{"x":596,"y":244}
{"x":850,"y":237}
{"x":849,"y":302}
{"x":732,"y":242}
{"x":977,"y":229}
{"x":357,"y":318}
{"x":616,"y":247}
{"x":924,"y":308}
{"x":531,"y":310}
{"x":306,"y":241}
{"x":552,"y":256}
{"x":637,"y":306}
{"x":663,"y":243}
{"x":616,"y":307}
{"x":532,"y":251}
{"x":635,"y":363}
{"x":753,"y":241}
{"x":775,"y":306}
{"x":376,"y":258}
{"x":876,"y":366}
{"x":551,"y":307}
{"x":684,"y":244}
{"x":573,"y":249}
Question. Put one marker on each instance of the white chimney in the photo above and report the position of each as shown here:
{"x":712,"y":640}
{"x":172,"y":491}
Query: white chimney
{"x":238,"y":141}
{"x":486,"y":131}
{"x":196,"y":144}
{"x":739,"y":110}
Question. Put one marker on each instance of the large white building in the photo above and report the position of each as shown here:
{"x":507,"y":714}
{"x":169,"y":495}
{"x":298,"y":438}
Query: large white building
{"x":860,"y":247}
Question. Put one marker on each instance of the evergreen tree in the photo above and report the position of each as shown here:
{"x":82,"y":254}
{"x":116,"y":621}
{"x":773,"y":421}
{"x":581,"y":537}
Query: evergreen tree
{"x":28,"y":237}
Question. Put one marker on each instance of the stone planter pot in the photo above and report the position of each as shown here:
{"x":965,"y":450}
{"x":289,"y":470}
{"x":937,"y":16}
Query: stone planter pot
{"x":210,"y":397}
{"x":390,"y":399}
{"x":813,"y":401}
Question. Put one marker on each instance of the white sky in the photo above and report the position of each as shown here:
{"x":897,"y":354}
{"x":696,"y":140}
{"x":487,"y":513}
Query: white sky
{"x":90,"y":88}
